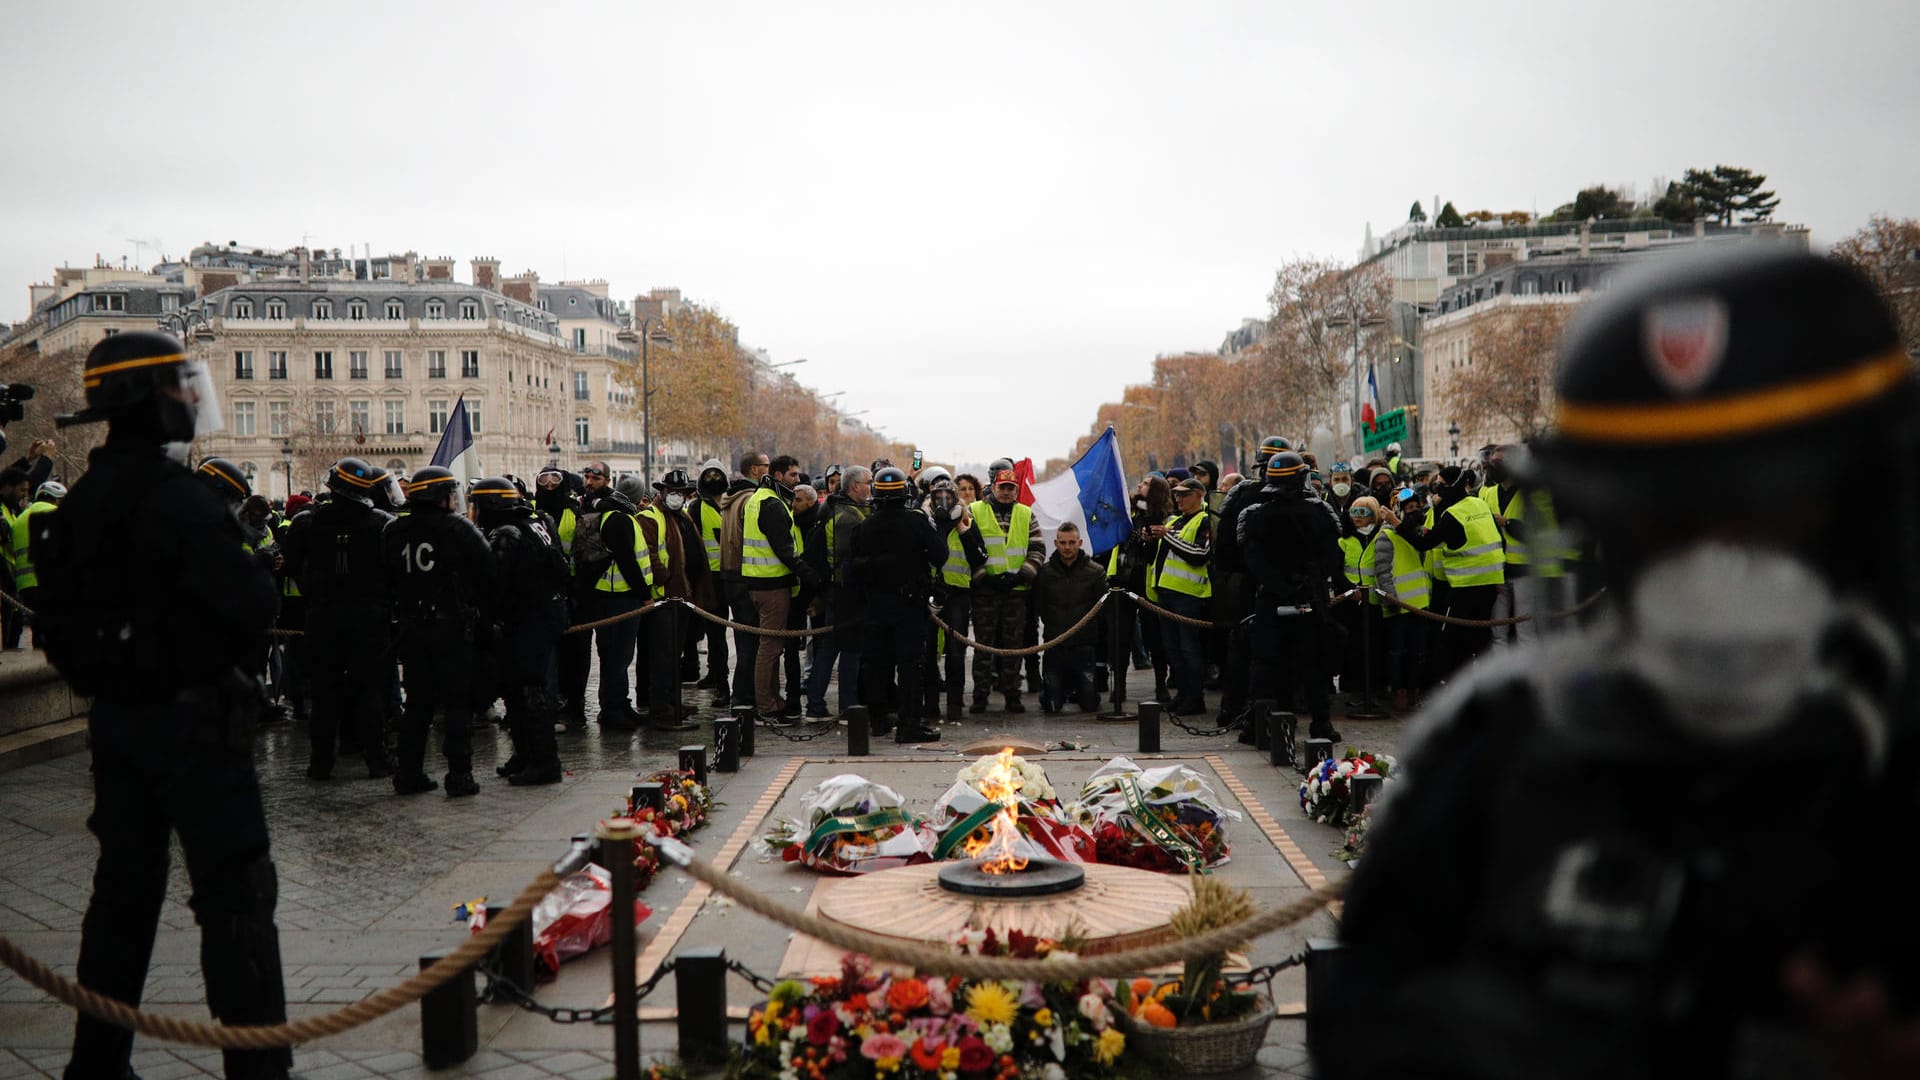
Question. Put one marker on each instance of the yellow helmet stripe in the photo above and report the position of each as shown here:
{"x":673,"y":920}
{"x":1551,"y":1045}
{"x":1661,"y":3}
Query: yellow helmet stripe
{"x":211,"y":471}
{"x":128,"y":365}
{"x":511,"y":493}
{"x":1287,"y":470}
{"x":354,"y":480}
{"x":1736,"y":414}
{"x":422,"y":485}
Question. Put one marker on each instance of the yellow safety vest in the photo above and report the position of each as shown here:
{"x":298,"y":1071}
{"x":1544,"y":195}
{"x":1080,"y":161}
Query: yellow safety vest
{"x":1175,"y":572}
{"x":1006,"y":551}
{"x":1514,"y":510}
{"x":6,"y":533}
{"x":1552,"y":558}
{"x":710,"y":523}
{"x":566,"y":526}
{"x":1410,"y":581}
{"x":833,"y":569}
{"x":1480,"y":561}
{"x":658,"y":589}
{"x":613,"y":581}
{"x":955,"y":572}
{"x":24,"y":575}
{"x":757,"y":559}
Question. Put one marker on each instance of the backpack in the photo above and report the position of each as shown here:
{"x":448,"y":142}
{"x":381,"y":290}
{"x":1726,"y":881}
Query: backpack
{"x":590,"y":555}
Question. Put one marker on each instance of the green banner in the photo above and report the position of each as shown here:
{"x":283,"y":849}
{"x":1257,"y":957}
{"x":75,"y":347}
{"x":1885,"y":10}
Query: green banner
{"x":1388,"y":427}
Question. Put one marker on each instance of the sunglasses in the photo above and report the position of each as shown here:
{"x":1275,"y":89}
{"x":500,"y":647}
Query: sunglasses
{"x":591,"y":472}
{"x":548,"y":481}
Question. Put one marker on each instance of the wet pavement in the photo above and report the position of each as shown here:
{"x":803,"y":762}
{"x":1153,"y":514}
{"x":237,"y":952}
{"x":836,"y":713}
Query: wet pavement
{"x":369,"y":881}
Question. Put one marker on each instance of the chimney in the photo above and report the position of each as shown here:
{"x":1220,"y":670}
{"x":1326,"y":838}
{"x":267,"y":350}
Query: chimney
{"x":522,"y":287}
{"x":306,"y":265}
{"x":1586,"y":239}
{"x":402,"y":268}
{"x":440,"y":269}
{"x":486,"y":274}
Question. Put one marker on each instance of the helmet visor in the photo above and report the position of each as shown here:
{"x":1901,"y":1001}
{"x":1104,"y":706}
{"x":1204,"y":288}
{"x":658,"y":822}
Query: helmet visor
{"x":197,"y":393}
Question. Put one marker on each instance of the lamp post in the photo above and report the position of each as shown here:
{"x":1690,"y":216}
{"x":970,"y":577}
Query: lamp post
{"x":1355,"y":323}
{"x":286,"y":457}
{"x":191,"y":324}
{"x":1453,"y":448}
{"x":651,"y":330}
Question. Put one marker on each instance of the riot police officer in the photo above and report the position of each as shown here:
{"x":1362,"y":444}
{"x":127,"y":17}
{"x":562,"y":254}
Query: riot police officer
{"x":1606,"y":806}
{"x":334,"y":551}
{"x":1235,"y":589}
{"x":152,"y":608}
{"x":438,"y":568}
{"x":893,"y":556}
{"x":1292,"y":549}
{"x":527,"y":611}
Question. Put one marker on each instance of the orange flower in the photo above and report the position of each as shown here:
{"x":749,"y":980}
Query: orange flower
{"x":906,"y":995}
{"x":1158,"y":1015}
{"x":926,"y":1054}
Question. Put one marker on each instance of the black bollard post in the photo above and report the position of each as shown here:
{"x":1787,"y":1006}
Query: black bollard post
{"x":858,"y":732}
{"x":1150,"y":727}
{"x":1367,"y":710}
{"x":1117,"y":614}
{"x":512,"y":959}
{"x":648,"y":795}
{"x":1262,"y":733}
{"x":726,"y":744}
{"x":617,"y":838}
{"x":449,"y":1017}
{"x":1282,"y":729}
{"x":745,"y":714}
{"x":1331,"y":986}
{"x":700,"y":992}
{"x":1318,"y":750}
{"x":693,"y":759}
{"x":1362,"y":791}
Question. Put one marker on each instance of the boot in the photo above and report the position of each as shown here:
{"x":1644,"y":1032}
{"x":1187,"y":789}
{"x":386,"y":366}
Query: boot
{"x":1402,"y":701}
{"x":412,"y":783}
{"x":979,"y":704}
{"x":512,"y":766}
{"x":460,"y":782}
{"x":534,"y":775}
{"x":915,"y":734}
{"x":1013,"y":703}
{"x":378,"y":767}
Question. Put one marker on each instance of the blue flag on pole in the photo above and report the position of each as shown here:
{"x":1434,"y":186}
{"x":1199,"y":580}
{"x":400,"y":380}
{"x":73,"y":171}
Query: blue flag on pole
{"x":1092,"y":494}
{"x":455,"y":452}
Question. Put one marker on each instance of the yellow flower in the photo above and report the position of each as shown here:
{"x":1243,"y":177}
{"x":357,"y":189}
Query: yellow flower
{"x":1043,"y":1018}
{"x":950,"y":1058}
{"x":764,"y":1036}
{"x":991,"y":1003}
{"x":887,"y":1065}
{"x":1108,"y":1046}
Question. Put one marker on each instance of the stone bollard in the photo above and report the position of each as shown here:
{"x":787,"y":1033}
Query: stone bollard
{"x":1318,"y":750}
{"x":1282,"y":730}
{"x":1362,"y":791}
{"x":449,"y":1017}
{"x":693,"y":759}
{"x":859,"y":742}
{"x":747,"y":717}
{"x":726,"y":744}
{"x":1149,"y":727}
{"x":700,"y":992}
{"x":512,"y":958}
{"x":648,"y":795}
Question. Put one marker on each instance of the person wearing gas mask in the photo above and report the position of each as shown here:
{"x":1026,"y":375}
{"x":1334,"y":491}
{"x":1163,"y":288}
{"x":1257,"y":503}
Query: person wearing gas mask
{"x":966,"y":553}
{"x":557,"y":495}
{"x":1607,"y":804}
{"x":845,"y":600}
{"x":334,"y":553}
{"x":657,"y":663}
{"x":1235,"y":589}
{"x":154,"y":610}
{"x":1472,"y":560}
{"x":706,"y":512}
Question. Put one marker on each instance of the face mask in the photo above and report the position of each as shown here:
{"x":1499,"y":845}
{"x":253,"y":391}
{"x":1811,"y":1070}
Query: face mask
{"x":1340,"y":490}
{"x":1140,"y":506}
{"x":675,"y":500}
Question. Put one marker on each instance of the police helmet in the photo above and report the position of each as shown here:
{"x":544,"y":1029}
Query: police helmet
{"x":225,"y":479}
{"x":50,"y":491}
{"x":999,"y":464}
{"x":931,"y":475}
{"x":126,"y":372}
{"x":890,"y":486}
{"x":1286,"y":470}
{"x":355,"y":479}
{"x":495,"y":494}
{"x":1272,"y":445}
{"x":431,"y":486}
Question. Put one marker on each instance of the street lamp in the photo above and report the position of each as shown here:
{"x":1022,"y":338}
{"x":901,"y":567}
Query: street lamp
{"x":651,"y":330}
{"x":786,"y":363}
{"x":286,"y":457}
{"x":1370,"y":322}
{"x":1453,"y":450}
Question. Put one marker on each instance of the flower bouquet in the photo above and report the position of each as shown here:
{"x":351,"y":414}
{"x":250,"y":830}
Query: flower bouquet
{"x":688,"y":802}
{"x":1201,"y":1020}
{"x":967,"y":810}
{"x":1162,"y":819}
{"x":1327,"y":792}
{"x":575,"y":917}
{"x":1356,"y":844}
{"x":860,"y":1025}
{"x":852,"y":826}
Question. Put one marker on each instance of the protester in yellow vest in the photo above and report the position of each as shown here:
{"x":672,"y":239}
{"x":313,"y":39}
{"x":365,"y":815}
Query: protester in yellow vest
{"x":1472,"y":559}
{"x":772,"y":567}
{"x":1179,"y":582}
{"x":1015,"y":551}
{"x":1400,"y":573}
{"x":25,"y":578}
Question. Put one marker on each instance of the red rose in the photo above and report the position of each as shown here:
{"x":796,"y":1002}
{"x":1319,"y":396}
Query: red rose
{"x":974,"y":1055}
{"x":820,"y":1029}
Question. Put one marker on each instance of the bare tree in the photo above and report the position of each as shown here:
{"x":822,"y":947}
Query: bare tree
{"x":1507,"y":382}
{"x":1315,"y":304}
{"x":1887,"y":251}
{"x":55,"y":378}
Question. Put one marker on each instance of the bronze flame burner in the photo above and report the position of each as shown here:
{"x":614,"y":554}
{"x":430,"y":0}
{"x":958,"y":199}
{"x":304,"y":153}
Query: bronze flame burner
{"x":1042,"y":877}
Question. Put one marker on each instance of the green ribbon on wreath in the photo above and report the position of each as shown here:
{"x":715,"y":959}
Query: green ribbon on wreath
{"x":952,"y":837}
{"x":846,"y":823}
{"x":1150,"y":822}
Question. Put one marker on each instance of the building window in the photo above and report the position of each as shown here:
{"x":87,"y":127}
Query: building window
{"x":356,"y":364}
{"x":250,"y":471}
{"x":436,"y":415}
{"x":469,"y":363}
{"x":581,"y":429}
{"x":110,"y":302}
{"x":323,"y":364}
{"x":241,"y":309}
{"x":276,"y":309}
{"x":436,"y":363}
{"x":543,"y":303}
{"x":580,"y":339}
{"x":436,"y":309}
{"x":580,"y":391}
{"x":279,"y":418}
{"x":1563,"y":286}
{"x":323,"y":417}
{"x":276,"y":363}
{"x":395,"y":311}
{"x":323,"y":309}
{"x":169,"y":301}
{"x":396,"y":417}
{"x":243,"y":418}
{"x":393,"y":364}
{"x":469,"y":310}
{"x":243,"y":364}
{"x":356,"y":310}
{"x":473,"y":417}
{"x":360,"y":417}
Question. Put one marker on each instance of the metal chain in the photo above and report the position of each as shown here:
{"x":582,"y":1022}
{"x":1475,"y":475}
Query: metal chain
{"x":1235,"y":724}
{"x":759,"y":982}
{"x":814,"y":731}
{"x":1454,"y":620}
{"x":502,"y":988}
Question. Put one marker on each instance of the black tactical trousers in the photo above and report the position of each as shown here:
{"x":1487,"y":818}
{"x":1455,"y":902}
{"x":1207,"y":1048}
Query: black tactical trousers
{"x":1287,"y":661}
{"x":350,"y":661}
{"x":158,"y":771}
{"x":574,"y":658}
{"x":526,"y":664}
{"x":438,"y":655}
{"x":896,"y":635}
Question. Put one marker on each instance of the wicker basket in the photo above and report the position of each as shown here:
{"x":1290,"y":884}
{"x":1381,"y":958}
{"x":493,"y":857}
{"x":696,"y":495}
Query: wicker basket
{"x":1205,"y":1048}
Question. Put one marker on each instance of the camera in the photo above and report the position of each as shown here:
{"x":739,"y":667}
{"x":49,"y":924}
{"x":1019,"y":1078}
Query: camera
{"x":13,"y":397}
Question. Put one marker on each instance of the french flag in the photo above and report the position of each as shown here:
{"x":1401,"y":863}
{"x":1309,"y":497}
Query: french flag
{"x":1092,"y":494}
{"x":1370,"y":409}
{"x":455,"y":452}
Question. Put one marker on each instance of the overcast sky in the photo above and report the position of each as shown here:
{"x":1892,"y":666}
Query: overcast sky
{"x":979,"y":220}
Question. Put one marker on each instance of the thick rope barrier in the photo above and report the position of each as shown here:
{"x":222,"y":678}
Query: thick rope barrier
{"x":1208,"y":624}
{"x":1030,"y":650}
{"x":272,"y":1036}
{"x":1512,"y":620}
{"x":15,"y":601}
{"x":611,"y":619}
{"x":722,"y":620}
{"x":935,"y":960}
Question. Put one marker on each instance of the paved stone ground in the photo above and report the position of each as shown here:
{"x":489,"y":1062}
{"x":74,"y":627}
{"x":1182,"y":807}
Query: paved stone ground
{"x":368,"y":882}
